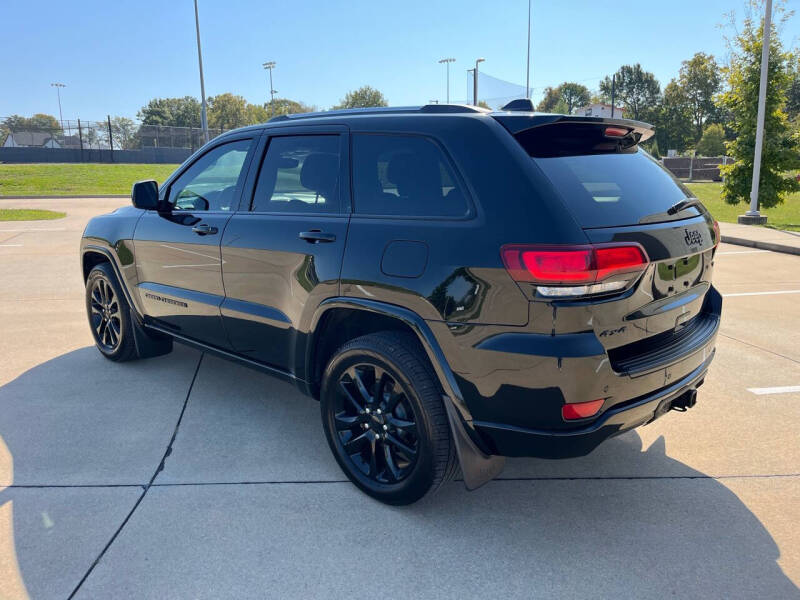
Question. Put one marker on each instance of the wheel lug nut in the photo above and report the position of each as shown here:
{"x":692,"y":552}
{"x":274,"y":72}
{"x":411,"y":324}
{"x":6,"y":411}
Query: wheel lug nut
{"x":366,"y":425}
{"x":379,"y":411}
{"x":367,"y":411}
{"x":385,"y":427}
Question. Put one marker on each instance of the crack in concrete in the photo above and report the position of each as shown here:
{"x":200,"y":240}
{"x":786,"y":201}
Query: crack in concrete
{"x":145,"y":489}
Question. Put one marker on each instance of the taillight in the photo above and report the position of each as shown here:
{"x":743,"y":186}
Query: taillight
{"x":716,"y":233}
{"x":555,"y":270}
{"x":581,"y":410}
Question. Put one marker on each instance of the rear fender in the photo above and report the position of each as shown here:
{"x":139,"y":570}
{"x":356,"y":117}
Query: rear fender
{"x":477,"y":466}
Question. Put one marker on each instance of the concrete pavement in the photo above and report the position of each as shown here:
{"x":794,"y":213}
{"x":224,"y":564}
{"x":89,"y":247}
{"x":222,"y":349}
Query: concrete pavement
{"x":763,"y":238}
{"x":251,"y":504}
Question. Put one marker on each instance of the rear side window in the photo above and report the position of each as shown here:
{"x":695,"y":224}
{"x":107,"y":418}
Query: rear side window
{"x":607,"y":190}
{"x":300,"y":174}
{"x":404,"y":176}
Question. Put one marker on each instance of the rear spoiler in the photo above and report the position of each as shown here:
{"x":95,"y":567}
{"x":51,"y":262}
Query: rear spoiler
{"x":546,"y":135}
{"x":517,"y":122}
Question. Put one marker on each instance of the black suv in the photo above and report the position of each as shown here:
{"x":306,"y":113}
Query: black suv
{"x":454,"y":285}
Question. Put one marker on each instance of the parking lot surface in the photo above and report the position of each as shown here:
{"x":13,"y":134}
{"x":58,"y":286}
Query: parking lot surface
{"x":250,"y":503}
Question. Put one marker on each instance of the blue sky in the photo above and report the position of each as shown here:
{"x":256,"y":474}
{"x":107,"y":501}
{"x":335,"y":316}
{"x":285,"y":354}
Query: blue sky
{"x":114,"y":55}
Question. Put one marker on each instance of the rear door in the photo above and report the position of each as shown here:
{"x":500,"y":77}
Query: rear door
{"x":282,"y":252}
{"x":177,"y":249}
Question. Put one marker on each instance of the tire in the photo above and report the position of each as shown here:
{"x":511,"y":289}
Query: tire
{"x":109,"y":315}
{"x":384,"y":419}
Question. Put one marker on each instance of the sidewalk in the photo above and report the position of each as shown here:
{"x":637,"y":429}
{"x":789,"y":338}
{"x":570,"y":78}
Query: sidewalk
{"x":763,"y":238}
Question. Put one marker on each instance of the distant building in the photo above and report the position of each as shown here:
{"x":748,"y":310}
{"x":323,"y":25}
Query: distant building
{"x":36,"y":139}
{"x":600,"y":110}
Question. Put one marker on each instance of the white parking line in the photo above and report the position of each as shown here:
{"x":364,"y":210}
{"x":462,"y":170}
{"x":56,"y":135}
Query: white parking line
{"x":775,"y":390}
{"x":10,"y":245}
{"x":761,"y":293}
{"x":742,"y":252}
{"x":29,"y":230}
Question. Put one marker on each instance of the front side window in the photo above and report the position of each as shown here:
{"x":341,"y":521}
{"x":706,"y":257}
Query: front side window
{"x":300,"y":174}
{"x":404,"y":176}
{"x":211,"y":183}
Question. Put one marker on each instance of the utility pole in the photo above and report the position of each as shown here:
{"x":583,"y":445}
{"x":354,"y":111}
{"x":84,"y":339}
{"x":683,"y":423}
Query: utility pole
{"x":613,"y":92}
{"x":203,"y":113}
{"x":447,"y":62}
{"x":475,"y":82}
{"x":58,"y":87}
{"x":269,"y":66}
{"x":528,"y":66}
{"x":752,"y":216}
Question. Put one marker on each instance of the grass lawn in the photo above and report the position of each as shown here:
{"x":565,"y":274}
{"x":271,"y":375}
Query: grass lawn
{"x":75,"y":179}
{"x":28,"y":214}
{"x":784,"y":216}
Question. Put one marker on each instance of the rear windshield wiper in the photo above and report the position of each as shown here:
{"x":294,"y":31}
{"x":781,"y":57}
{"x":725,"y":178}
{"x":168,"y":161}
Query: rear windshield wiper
{"x":682,"y":205}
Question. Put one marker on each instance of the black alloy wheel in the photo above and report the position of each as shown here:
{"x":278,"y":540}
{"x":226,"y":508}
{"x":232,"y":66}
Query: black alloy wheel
{"x":384,"y":418}
{"x":375,"y":423}
{"x":109,"y":315}
{"x":105,"y":316}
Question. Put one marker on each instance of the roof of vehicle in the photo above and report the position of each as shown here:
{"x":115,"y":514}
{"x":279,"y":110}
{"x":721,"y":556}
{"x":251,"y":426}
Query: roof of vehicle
{"x":516,"y":118}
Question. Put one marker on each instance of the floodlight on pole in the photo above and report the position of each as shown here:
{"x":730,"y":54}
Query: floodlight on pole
{"x":203,"y":110}
{"x":58,"y":87}
{"x":762,"y":101}
{"x":269,"y":65}
{"x":475,"y":82}
{"x":447,"y":62}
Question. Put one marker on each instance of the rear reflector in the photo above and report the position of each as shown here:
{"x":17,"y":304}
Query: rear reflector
{"x":581,"y":410}
{"x":716,"y":233}
{"x":580,"y":269}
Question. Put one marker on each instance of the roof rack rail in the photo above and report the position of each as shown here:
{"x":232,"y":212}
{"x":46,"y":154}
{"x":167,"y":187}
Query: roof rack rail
{"x":384,"y":110}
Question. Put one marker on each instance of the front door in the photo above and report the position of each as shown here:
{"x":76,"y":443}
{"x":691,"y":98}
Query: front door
{"x":177,"y":249}
{"x":283,"y":252}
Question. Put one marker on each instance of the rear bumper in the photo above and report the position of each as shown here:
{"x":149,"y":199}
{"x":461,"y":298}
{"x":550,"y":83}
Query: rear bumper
{"x":508,"y":440}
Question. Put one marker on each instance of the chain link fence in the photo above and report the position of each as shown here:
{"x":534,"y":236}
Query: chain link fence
{"x":110,"y":140}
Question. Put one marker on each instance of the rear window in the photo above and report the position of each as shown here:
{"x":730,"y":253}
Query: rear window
{"x":606,"y":190}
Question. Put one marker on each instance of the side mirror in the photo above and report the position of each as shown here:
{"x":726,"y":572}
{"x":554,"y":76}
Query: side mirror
{"x":145,"y":194}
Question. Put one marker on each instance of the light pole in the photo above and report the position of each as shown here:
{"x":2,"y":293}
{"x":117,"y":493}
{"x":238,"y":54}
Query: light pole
{"x":269,"y":66}
{"x":203,"y":113}
{"x":752,"y":216}
{"x":528,"y":67}
{"x":475,"y":82}
{"x":447,"y":62}
{"x":58,"y":87}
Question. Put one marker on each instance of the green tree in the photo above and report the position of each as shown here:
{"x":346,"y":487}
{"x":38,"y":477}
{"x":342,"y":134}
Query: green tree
{"x":713,"y":141}
{"x":175,"y":112}
{"x":284,"y":106}
{"x":638,"y":90}
{"x":672,"y":119}
{"x":700,"y":82}
{"x":781,"y":151}
{"x":571,"y":95}
{"x":793,"y":95}
{"x":124,"y":133}
{"x":227,"y":111}
{"x":363,"y":97}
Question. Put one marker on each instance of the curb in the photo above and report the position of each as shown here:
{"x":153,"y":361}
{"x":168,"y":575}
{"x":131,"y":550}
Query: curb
{"x":761,"y":245}
{"x":65,"y":197}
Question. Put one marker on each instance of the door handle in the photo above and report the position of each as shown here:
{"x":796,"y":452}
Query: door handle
{"x":204,"y":229}
{"x":315,"y":236}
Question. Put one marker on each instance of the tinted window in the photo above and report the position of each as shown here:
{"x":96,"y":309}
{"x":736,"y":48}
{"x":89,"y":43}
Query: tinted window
{"x":211,"y":183}
{"x":404,"y":175}
{"x":299,"y":174}
{"x":605,"y":190}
